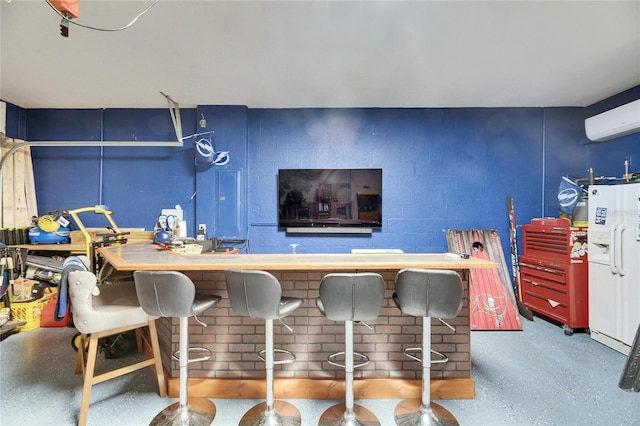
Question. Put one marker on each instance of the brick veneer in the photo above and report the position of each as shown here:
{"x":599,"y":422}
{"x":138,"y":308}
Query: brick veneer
{"x":235,"y":341}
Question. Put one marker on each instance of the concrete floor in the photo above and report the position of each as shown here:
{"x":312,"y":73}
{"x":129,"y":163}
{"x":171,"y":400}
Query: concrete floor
{"x":538,"y":376}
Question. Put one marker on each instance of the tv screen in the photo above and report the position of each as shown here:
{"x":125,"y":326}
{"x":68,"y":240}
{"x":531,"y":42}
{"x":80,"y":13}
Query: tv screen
{"x":330,"y":198}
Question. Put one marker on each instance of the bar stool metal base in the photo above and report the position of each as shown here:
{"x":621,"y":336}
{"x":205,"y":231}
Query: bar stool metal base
{"x":197,"y":412}
{"x":411,"y":412}
{"x":335,"y":416}
{"x":282,"y":414}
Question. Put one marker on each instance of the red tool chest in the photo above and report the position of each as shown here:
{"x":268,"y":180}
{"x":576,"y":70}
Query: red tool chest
{"x":554,"y":271}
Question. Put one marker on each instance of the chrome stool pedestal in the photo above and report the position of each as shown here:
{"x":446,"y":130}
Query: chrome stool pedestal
{"x":281,"y":413}
{"x":412,"y":412}
{"x":339,"y":414}
{"x":197,"y":411}
{"x":188,"y":410}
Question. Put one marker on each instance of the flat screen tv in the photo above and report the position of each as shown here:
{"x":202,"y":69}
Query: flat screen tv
{"x":335,"y":200}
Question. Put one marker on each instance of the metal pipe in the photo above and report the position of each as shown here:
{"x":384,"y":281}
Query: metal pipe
{"x":18,"y":146}
{"x":544,"y":152}
{"x":174,"y":110}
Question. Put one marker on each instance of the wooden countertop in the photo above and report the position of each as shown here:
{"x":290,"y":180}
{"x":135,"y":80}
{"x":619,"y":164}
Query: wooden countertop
{"x":146,"y":256}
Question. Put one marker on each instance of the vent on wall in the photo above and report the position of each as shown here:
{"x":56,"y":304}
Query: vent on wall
{"x":614,"y":123}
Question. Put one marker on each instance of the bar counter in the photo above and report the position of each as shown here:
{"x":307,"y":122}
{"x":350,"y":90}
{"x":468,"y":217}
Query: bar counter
{"x":235,"y":370}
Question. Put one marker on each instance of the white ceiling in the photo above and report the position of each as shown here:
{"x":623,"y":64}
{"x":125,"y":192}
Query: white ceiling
{"x":275,"y":54}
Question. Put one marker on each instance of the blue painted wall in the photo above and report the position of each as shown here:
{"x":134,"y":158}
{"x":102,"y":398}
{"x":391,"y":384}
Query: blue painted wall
{"x":222,"y":190}
{"x":442,"y":168}
{"x":15,"y":121}
{"x":134,"y":182}
{"x":564,"y":152}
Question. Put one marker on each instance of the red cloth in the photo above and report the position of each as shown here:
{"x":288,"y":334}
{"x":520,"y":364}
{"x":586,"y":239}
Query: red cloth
{"x":48,"y":314}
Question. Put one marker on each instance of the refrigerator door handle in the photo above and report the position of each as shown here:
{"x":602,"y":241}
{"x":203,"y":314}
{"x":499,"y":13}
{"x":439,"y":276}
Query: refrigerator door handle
{"x":618,"y":250}
{"x":612,"y":250}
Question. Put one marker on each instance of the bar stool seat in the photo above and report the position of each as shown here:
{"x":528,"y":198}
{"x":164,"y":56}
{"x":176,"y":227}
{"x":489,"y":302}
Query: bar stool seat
{"x":173,"y":295}
{"x":258,"y":294}
{"x":426,"y":293}
{"x":350,"y":298}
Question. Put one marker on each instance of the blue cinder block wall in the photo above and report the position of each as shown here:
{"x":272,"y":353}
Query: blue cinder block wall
{"x":134,"y":182}
{"x":449,"y":168}
{"x":442,"y":169}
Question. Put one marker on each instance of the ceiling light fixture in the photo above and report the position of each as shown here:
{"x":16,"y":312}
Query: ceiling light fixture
{"x":70,"y":9}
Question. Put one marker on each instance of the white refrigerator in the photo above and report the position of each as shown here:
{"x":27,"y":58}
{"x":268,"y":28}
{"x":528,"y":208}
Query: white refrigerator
{"x":614,"y":264}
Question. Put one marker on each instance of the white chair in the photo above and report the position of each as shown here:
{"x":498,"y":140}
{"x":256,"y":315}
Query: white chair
{"x":104,"y":311}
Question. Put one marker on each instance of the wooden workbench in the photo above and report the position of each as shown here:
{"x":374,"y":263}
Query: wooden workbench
{"x":235,"y":371}
{"x":78,"y":245}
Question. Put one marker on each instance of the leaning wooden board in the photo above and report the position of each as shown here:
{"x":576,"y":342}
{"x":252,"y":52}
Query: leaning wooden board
{"x":492,"y":301}
{"x":18,"y":189}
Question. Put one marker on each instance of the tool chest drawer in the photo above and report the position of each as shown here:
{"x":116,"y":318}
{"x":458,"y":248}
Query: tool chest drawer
{"x":548,"y":274}
{"x":544,"y":289}
{"x":554,"y":239}
{"x":549,"y":307}
{"x":554,"y":271}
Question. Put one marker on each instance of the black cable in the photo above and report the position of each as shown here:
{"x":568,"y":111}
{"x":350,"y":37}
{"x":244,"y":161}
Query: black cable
{"x":66,"y":18}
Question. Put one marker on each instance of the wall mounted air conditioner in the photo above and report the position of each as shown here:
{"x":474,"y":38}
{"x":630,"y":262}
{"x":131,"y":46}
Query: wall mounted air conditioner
{"x":614,"y":123}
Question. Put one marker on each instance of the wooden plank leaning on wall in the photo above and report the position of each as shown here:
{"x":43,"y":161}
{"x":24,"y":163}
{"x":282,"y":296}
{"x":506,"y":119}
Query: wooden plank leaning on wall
{"x":18,"y":185}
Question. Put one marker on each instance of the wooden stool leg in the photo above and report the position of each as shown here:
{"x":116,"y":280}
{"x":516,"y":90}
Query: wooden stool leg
{"x":81,"y":358}
{"x":86,"y":362}
{"x":155,"y":347}
{"x":79,"y":365}
{"x":88,"y":379}
{"x":139,"y":340}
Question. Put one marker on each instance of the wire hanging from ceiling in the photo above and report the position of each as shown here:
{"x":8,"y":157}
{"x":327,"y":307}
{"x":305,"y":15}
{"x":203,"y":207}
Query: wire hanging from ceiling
{"x":67,"y":19}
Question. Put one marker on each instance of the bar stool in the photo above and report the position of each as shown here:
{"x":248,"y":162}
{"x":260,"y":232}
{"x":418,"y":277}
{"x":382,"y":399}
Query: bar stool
{"x":104,"y":311}
{"x":258,"y":294}
{"x":172,"y":294}
{"x":350,"y":298}
{"x":427,"y":294}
